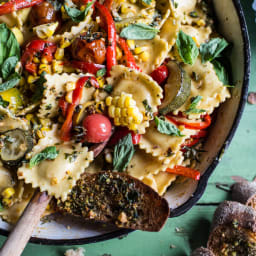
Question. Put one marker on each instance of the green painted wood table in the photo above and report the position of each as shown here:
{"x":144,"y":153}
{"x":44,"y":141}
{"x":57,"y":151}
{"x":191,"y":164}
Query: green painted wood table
{"x":183,"y":234}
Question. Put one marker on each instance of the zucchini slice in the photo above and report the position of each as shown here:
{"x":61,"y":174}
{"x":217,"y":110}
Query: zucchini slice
{"x":14,"y":146}
{"x":177,"y":88}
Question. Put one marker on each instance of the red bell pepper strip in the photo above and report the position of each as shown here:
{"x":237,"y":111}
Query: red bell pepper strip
{"x":108,"y":4}
{"x":76,"y":98}
{"x":160,"y":74}
{"x":111,"y":32}
{"x":130,"y":61}
{"x":43,"y":47}
{"x":184,"y":171}
{"x":122,"y":132}
{"x":63,"y":105}
{"x":16,"y":5}
{"x":189,"y":125}
{"x":200,"y":134}
{"x":86,"y":66}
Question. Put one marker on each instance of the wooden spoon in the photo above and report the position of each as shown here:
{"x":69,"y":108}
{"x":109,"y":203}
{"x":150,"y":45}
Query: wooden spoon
{"x":21,"y":233}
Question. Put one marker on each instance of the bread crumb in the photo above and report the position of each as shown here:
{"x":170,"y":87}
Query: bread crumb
{"x":78,"y":252}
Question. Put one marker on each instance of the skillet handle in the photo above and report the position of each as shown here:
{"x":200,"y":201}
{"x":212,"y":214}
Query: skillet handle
{"x":21,"y":233}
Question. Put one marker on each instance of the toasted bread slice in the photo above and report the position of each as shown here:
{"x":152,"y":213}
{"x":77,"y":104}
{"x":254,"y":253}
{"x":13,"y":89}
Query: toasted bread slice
{"x":116,"y":198}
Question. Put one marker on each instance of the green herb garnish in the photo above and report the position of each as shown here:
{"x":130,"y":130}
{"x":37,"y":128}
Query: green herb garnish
{"x":49,"y":153}
{"x":101,"y":72}
{"x":187,"y":48}
{"x":168,"y":128}
{"x":192,"y":107}
{"x":221,"y":72}
{"x":139,"y":32}
{"x":123,"y":153}
{"x":3,"y":102}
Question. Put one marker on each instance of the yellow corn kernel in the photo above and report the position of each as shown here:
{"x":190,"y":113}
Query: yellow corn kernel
{"x":8,"y":192}
{"x":22,"y":81}
{"x":117,"y":121}
{"x":117,"y":112}
{"x":129,"y":119}
{"x":64,"y":15}
{"x":45,"y":121}
{"x":39,"y":134}
{"x":200,"y":22}
{"x":131,"y":111}
{"x":44,"y":60}
{"x":138,"y":118}
{"x":121,"y":101}
{"x":70,"y":86}
{"x":124,"y":112}
{"x":36,"y":60}
{"x":138,"y":50}
{"x":44,"y":67}
{"x":114,"y":101}
{"x":69,"y":97}
{"x":31,"y":79}
{"x":45,"y":129}
{"x":133,"y":1}
{"x":109,"y":158}
{"x":131,"y":44}
{"x":144,"y":56}
{"x":59,"y":54}
{"x":101,"y":81}
{"x":133,"y":127}
{"x":18,"y":34}
{"x":119,"y":53}
{"x":64,"y":42}
{"x":7,"y":202}
{"x":29,"y":117}
{"x":129,"y":102}
{"x":125,"y":9}
{"x":109,"y":101}
{"x":57,"y":66}
{"x":111,"y":111}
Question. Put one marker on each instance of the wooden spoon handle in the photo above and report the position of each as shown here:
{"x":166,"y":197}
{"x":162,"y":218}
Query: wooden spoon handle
{"x":20,"y":235}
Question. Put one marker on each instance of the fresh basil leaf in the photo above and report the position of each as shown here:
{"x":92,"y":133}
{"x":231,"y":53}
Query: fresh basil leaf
{"x":123,"y":153}
{"x":187,"y":48}
{"x":147,"y":2}
{"x":8,"y":66}
{"x":108,"y":88}
{"x":167,"y":127}
{"x":11,"y":82}
{"x":139,"y":32}
{"x":221,"y":72}
{"x":75,"y":14}
{"x":39,"y":85}
{"x":49,"y":153}
{"x":3,"y":102}
{"x":9,"y":45}
{"x":192,"y":107}
{"x":211,"y":50}
{"x":101,"y":72}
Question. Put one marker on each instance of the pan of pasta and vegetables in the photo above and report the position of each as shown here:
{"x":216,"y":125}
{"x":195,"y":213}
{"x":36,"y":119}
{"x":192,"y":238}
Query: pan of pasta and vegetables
{"x":162,"y":84}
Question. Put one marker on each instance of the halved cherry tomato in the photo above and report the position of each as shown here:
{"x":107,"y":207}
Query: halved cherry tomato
{"x":160,"y":74}
{"x":189,"y":125}
{"x":184,"y":171}
{"x":98,"y":128}
{"x":122,"y":132}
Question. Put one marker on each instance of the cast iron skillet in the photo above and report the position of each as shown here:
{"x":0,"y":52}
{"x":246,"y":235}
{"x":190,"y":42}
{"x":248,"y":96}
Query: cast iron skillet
{"x":204,"y":178}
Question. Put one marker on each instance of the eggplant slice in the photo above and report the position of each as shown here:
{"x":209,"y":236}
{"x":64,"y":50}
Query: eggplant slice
{"x":177,"y":88}
{"x":15,"y":144}
{"x":116,"y":198}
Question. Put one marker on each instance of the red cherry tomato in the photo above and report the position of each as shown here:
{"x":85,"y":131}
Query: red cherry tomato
{"x":122,"y":132}
{"x":160,"y":74}
{"x":98,"y":128}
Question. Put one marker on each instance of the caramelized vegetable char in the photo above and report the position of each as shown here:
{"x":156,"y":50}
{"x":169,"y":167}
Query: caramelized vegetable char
{"x":43,"y":13}
{"x":89,"y":50}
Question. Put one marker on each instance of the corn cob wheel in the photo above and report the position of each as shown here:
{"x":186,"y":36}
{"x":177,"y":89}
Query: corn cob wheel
{"x":124,"y":111}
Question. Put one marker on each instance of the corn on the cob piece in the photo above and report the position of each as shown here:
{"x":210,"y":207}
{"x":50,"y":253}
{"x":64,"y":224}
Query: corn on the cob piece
{"x":124,"y":111}
{"x":8,"y":193}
